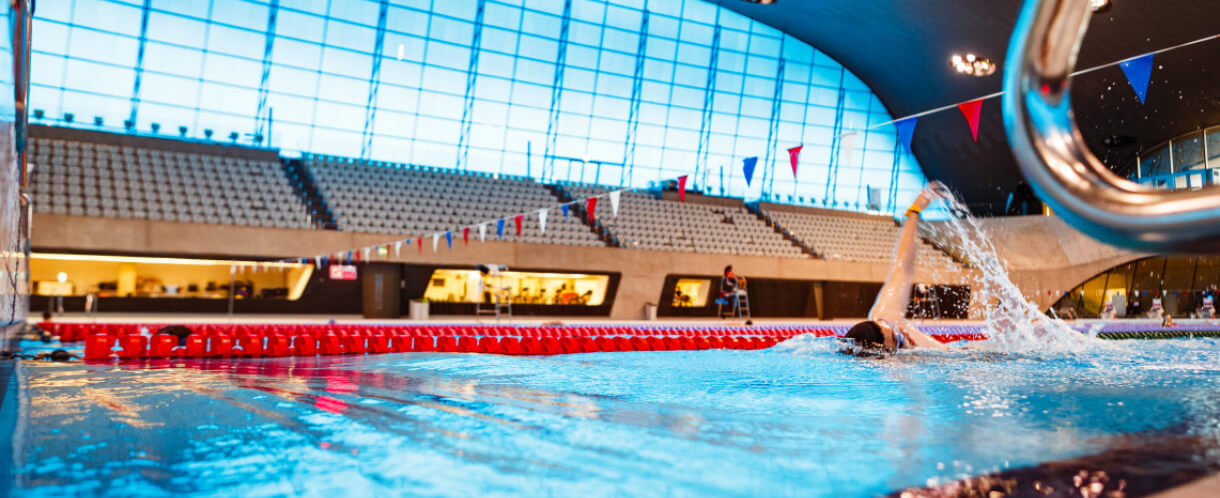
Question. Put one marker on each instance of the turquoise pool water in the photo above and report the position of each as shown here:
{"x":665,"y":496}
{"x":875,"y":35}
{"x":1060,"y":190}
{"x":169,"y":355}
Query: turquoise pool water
{"x":798,"y":419}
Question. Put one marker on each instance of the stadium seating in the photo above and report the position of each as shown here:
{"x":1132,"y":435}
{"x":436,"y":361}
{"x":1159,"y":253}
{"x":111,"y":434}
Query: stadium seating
{"x":403,"y":199}
{"x":91,"y":179}
{"x":96,"y":179}
{"x":851,"y":237}
{"x":645,"y":222}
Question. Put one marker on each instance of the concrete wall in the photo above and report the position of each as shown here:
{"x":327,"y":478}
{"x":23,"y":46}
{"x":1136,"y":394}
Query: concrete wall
{"x":1042,"y":253}
{"x":643,"y":272}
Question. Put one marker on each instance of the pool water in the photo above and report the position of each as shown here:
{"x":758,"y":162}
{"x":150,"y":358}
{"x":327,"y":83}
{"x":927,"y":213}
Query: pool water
{"x":797,"y":419}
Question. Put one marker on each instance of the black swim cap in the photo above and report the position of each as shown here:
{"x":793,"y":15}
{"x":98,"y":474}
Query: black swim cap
{"x":866,"y":334}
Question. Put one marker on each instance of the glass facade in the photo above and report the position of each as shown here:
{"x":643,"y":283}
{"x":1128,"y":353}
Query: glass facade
{"x":1191,"y":161}
{"x":619,"y":93}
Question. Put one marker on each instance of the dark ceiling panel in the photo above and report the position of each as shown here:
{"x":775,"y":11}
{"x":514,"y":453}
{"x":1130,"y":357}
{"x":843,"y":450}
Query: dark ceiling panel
{"x":901,"y":49}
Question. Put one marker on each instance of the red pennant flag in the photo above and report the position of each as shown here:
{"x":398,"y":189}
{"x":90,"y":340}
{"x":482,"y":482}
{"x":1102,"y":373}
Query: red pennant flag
{"x":794,"y":155}
{"x":356,"y":257}
{"x":420,"y":244}
{"x":518,"y":220}
{"x":591,"y":203}
{"x":681,"y":191}
{"x":466,"y":235}
{"x":972,"y":110}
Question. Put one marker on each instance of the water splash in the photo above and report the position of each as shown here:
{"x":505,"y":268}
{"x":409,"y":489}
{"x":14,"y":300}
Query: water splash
{"x":1011,"y":321}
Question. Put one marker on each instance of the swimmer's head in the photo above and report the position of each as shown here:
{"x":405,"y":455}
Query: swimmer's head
{"x":866,"y":334}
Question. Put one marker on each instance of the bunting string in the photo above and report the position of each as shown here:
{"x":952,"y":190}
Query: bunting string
{"x":1001,"y":93}
{"x":356,"y":255}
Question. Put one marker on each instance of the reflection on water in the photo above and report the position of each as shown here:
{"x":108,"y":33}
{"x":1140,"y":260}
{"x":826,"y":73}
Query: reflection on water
{"x":797,"y":419}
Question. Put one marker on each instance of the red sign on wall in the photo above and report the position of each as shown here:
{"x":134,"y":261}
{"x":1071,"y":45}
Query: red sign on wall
{"x":342,"y":272}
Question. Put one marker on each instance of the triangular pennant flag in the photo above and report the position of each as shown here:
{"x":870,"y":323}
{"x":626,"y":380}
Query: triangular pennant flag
{"x":436,"y":241}
{"x":590,"y":206}
{"x":542,"y":220}
{"x":847,"y":147}
{"x":518,"y":219}
{"x":614,"y":198}
{"x":906,"y":131}
{"x":362,"y":255}
{"x":397,"y":249}
{"x":419,"y":243}
{"x":1139,"y":72}
{"x":500,"y":229}
{"x":317,"y":263}
{"x":325,"y":260}
{"x":747,"y":166}
{"x":449,"y":239}
{"x":972,"y":110}
{"x":565,"y":210}
{"x":232,"y":269}
{"x":349,"y":257}
{"x":794,"y":156}
{"x":466,"y":235}
{"x":681,"y":190}
{"x":482,"y":232}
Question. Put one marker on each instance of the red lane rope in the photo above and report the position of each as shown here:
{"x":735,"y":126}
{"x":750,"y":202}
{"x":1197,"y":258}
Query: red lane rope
{"x":110,"y":341}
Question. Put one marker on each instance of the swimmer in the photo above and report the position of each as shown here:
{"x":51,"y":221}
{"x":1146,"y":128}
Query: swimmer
{"x":886,"y":328}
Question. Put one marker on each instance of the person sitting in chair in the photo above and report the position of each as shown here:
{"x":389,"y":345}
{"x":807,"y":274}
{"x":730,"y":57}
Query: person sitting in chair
{"x":886,"y":328}
{"x":732,"y":286}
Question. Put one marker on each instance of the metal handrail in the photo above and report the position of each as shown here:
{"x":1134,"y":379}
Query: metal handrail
{"x":1059,"y":166}
{"x":20,"y":26}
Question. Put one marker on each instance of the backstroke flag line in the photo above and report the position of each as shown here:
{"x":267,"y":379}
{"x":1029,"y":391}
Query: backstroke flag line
{"x":794,"y":156}
{"x":747,"y":167}
{"x":1139,"y":72}
{"x":972,"y":110}
{"x":906,"y":131}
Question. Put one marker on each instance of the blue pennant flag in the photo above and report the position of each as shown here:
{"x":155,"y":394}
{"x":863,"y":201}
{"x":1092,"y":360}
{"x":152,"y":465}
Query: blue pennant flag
{"x":906,"y":131}
{"x":500,"y":229}
{"x":565,"y":210}
{"x":449,"y":239}
{"x":748,"y":165}
{"x":349,"y":257}
{"x":324,"y":262}
{"x":1139,"y":72}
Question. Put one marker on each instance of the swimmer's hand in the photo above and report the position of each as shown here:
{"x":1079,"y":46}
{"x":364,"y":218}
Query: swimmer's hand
{"x":934,"y":191}
{"x":939,"y":190}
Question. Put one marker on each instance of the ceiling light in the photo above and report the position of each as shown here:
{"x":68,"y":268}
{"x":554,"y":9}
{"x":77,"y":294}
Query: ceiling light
{"x":763,"y":2}
{"x":1099,"y":5}
{"x":973,"y":65}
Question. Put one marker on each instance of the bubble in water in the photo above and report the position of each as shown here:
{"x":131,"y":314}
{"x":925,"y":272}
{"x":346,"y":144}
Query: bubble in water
{"x":1011,"y":321}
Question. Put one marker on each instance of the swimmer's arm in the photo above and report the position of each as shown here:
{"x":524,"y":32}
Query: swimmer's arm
{"x":891,"y":303}
{"x":920,"y":339}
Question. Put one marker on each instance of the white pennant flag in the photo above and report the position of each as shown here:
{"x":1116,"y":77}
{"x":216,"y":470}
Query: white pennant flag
{"x":364,"y":254}
{"x":232,"y":269}
{"x":614,"y":197}
{"x":397,"y":248}
{"x":482,"y":232}
{"x":542,"y":220}
{"x":847,"y":146}
{"x":317,"y":262}
{"x":436,"y":240}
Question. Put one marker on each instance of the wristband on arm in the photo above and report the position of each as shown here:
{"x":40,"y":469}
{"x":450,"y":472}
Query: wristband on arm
{"x":914,"y":209}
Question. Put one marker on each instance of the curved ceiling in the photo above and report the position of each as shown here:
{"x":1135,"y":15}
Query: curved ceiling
{"x":901,"y":49}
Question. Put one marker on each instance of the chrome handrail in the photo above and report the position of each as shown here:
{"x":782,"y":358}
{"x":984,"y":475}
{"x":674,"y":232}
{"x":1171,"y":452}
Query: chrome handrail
{"x":20,"y":27}
{"x":1059,"y":166}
